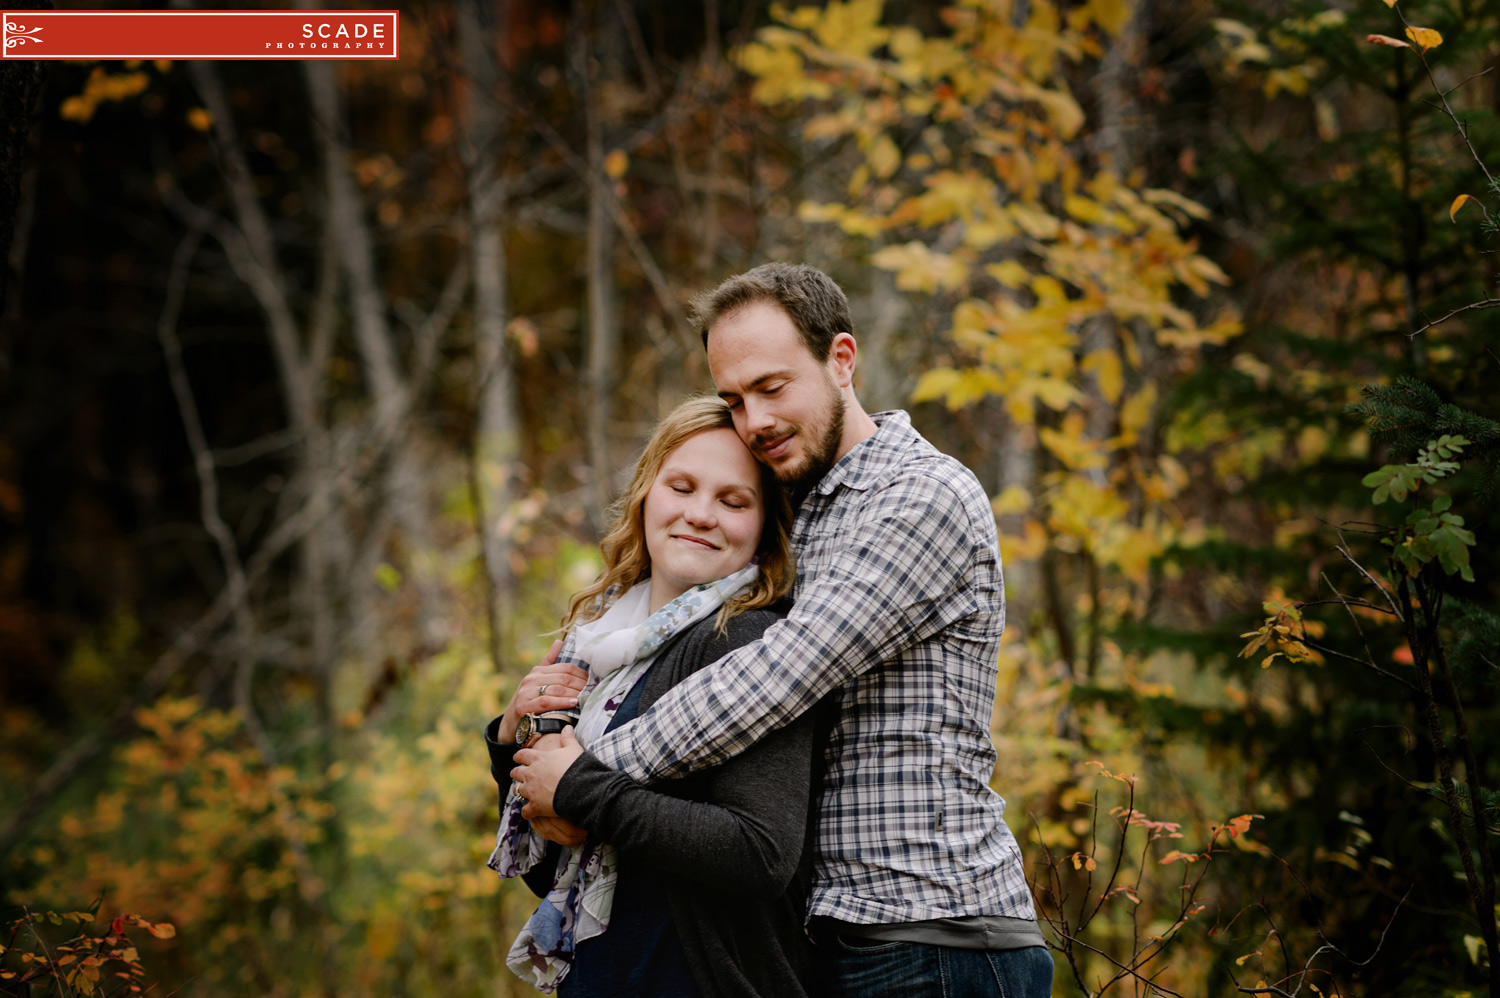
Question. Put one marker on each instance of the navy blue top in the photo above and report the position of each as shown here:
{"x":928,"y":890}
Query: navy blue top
{"x":640,"y":954}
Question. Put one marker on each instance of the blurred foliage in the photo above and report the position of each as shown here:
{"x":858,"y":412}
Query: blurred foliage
{"x":1133,"y":262}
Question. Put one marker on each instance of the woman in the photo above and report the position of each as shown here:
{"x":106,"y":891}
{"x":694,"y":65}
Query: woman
{"x":696,"y":887}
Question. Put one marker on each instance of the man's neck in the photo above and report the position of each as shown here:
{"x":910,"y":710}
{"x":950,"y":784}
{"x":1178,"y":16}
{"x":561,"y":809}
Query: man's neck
{"x":858,"y":426}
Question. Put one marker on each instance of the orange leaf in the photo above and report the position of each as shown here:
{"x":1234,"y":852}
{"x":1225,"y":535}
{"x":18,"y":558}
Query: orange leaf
{"x":166,"y":930}
{"x":117,"y":926}
{"x":1425,"y":37}
{"x":1394,"y":43}
{"x":1458,"y":203}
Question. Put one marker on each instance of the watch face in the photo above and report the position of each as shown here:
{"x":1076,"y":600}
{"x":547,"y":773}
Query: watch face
{"x":523,"y":729}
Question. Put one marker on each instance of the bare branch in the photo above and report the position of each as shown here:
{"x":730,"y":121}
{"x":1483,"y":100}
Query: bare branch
{"x":1391,"y":600}
{"x":638,"y":248}
{"x":1128,"y":971}
{"x":1360,"y":661}
{"x":1483,"y":304}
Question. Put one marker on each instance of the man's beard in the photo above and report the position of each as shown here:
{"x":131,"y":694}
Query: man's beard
{"x":821,"y":452}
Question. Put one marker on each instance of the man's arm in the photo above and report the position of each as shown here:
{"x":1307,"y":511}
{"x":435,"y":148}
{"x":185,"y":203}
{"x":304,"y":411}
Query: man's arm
{"x":900,"y":576}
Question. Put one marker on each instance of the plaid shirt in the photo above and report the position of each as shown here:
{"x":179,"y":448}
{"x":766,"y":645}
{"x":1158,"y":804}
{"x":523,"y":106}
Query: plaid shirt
{"x":899,"y":605}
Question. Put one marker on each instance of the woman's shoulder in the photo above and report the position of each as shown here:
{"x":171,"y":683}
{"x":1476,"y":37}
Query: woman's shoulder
{"x":705,"y":642}
{"x":745,"y":627}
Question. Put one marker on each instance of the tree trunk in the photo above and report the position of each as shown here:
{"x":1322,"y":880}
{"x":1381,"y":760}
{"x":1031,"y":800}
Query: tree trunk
{"x":599,"y":259}
{"x":391,"y":396}
{"x":497,"y":430}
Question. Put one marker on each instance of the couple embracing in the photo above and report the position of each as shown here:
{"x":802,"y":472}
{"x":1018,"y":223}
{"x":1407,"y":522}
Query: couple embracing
{"x":759,"y":764}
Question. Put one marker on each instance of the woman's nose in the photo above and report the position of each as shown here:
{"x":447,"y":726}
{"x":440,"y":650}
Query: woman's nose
{"x":700,"y":513}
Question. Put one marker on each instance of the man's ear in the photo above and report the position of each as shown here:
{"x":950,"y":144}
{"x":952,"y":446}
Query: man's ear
{"x":843,"y":352}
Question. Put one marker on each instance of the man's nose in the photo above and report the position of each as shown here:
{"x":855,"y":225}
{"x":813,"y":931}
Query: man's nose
{"x":758,"y":417}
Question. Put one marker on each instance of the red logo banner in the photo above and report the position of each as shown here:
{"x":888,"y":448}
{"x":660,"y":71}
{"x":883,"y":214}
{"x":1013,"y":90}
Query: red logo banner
{"x":198,"y":34}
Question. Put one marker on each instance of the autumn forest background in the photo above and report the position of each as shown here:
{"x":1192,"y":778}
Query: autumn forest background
{"x":317,"y":379}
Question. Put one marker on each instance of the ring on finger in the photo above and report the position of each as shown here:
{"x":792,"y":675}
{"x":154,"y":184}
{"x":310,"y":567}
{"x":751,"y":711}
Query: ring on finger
{"x":541,"y":690}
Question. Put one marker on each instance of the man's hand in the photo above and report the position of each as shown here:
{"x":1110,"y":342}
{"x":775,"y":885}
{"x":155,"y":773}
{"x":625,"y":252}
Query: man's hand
{"x":539,"y":770}
{"x":549,"y":686}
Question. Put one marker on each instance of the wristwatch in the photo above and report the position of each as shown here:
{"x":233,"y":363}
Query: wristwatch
{"x":531,"y":725}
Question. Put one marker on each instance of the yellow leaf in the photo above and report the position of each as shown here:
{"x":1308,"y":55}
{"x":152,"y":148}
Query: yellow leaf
{"x":1240,"y":961}
{"x":812,"y":211}
{"x":1071,"y":446}
{"x":918,"y":268}
{"x":1458,"y":203}
{"x":1163,"y":196}
{"x":616,"y":163}
{"x":1108,"y":371}
{"x":1031,"y":545}
{"x":78,"y":108}
{"x":1048,"y":289}
{"x":1137,"y":411}
{"x":1014,"y":499}
{"x":1342,"y":859}
{"x":1009,"y":273}
{"x":884,"y":156}
{"x":934,"y":384}
{"x":851,"y":28}
{"x":1085,"y":210}
{"x":1425,"y":37}
{"x":1394,"y":43}
{"x":1134,"y":551}
{"x":1033,"y":221}
{"x":1111,"y":15}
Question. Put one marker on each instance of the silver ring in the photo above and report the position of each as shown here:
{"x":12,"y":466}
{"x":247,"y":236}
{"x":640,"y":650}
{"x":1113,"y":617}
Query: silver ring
{"x":541,"y":690}
{"x":523,"y":800}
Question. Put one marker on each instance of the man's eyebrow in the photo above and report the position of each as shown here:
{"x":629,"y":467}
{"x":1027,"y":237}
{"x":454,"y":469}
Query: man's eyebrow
{"x":753,"y":385}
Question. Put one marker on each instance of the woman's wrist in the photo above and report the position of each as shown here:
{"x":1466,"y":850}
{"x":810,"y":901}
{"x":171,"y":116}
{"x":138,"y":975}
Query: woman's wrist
{"x":532,"y":727}
{"x":505,"y":731}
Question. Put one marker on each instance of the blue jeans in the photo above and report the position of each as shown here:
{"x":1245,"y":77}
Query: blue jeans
{"x":849,"y":967}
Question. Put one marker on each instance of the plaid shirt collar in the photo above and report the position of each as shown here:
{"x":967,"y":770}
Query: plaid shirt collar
{"x":869,"y":460}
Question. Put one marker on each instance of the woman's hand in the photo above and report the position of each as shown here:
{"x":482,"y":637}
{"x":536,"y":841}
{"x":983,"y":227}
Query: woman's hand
{"x":538,"y":771}
{"x":559,"y":830}
{"x":561,"y":683}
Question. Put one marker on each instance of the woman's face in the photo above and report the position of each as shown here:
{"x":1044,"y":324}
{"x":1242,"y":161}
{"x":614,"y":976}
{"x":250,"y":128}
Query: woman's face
{"x":703,"y":514}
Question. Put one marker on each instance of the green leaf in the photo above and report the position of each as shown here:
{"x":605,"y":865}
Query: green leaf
{"x":1441,"y":503}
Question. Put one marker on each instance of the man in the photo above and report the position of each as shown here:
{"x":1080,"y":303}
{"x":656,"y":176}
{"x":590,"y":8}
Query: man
{"x":919,"y":887}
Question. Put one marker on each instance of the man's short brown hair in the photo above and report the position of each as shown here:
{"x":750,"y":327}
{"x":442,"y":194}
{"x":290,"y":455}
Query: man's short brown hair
{"x":815,"y":304}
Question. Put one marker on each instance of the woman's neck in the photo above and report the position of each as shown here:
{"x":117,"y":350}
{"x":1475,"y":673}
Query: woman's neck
{"x":662,"y":593}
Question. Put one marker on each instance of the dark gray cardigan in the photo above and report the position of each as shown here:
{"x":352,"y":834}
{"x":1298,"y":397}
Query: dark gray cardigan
{"x":731,"y":845}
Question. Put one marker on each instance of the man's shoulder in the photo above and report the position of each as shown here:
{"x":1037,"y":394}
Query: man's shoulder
{"x":922,"y":474}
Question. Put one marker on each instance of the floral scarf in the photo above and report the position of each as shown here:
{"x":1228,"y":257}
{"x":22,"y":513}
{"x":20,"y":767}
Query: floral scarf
{"x":617,"y":648}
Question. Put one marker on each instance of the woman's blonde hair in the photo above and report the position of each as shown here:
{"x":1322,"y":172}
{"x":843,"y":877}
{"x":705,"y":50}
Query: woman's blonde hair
{"x":626,"y":560}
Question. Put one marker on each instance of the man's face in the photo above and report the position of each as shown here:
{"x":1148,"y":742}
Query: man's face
{"x":787,"y":407}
